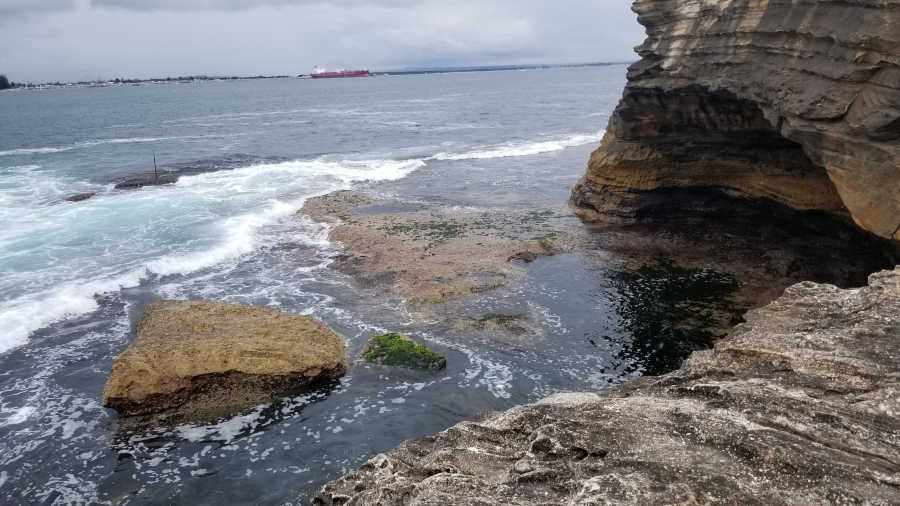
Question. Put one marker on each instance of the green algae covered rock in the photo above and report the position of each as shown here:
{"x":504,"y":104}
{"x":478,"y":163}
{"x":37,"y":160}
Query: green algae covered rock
{"x":398,"y":350}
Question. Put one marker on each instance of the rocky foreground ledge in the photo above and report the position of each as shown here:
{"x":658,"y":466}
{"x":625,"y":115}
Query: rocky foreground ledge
{"x":799,"y":405}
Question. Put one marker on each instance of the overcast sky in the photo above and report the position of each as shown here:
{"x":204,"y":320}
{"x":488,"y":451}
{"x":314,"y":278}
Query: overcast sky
{"x":49,"y":40}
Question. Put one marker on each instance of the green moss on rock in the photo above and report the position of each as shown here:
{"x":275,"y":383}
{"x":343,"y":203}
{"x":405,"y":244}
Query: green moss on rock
{"x":501,"y":318}
{"x":398,"y":350}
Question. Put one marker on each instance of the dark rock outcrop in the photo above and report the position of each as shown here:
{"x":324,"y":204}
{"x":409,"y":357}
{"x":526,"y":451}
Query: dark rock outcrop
{"x":799,"y":405}
{"x":196,"y":361}
{"x":78,"y":197}
{"x":172,"y":172}
{"x":795,"y":102}
{"x":142,"y":180}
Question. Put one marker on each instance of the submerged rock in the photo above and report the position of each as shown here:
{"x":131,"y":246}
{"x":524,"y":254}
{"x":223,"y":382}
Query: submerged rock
{"x":795,"y":103}
{"x":78,"y":197}
{"x":196,"y":361}
{"x":142,"y":180}
{"x":398,"y":350}
{"x":799,"y":405}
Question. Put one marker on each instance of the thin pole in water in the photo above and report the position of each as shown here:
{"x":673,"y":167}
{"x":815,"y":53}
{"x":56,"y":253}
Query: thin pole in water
{"x":155,"y":173}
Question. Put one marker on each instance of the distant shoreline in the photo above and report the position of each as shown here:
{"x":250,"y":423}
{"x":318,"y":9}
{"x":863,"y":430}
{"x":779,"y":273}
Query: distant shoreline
{"x":402,"y":72}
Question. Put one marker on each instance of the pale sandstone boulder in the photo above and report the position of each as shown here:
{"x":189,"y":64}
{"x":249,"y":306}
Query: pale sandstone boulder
{"x":196,"y":361}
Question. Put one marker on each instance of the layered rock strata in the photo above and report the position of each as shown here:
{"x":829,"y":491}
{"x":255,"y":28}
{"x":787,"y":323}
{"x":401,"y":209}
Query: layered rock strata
{"x":796,"y":102}
{"x":799,"y":405}
{"x":197,"y":361}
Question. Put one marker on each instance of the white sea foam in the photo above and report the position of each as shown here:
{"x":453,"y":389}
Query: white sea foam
{"x":18,"y":415}
{"x":345,"y":171}
{"x":227,"y":209}
{"x":522,"y":149}
{"x":22,"y":316}
{"x":240,"y":238}
{"x":87,"y":144}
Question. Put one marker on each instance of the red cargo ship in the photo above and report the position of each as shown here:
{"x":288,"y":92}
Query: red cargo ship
{"x":320,"y":73}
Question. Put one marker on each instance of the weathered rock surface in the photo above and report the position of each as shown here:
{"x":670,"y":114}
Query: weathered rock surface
{"x":799,"y":405}
{"x":792,"y":101}
{"x":427,"y":256}
{"x":196,"y":361}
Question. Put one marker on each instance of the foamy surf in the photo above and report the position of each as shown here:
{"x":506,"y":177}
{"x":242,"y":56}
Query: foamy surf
{"x":268,"y":192}
{"x":522,"y":149}
{"x":208,"y":219}
{"x":88,"y":144}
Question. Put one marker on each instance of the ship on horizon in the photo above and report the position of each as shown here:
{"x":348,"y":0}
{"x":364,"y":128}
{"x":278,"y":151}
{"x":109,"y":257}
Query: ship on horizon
{"x":322,"y":73}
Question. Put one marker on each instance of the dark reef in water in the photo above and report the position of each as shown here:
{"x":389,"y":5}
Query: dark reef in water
{"x":170,"y":173}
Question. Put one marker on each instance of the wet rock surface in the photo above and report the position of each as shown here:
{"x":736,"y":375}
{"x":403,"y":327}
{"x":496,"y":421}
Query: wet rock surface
{"x":399,"y":350}
{"x":799,"y":405}
{"x":170,"y":173}
{"x":784,"y":102}
{"x":78,"y":197}
{"x":434,"y":254}
{"x":197,"y":361}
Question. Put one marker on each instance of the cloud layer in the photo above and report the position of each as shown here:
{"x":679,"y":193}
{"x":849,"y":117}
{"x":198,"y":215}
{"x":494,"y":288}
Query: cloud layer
{"x":87,"y":39}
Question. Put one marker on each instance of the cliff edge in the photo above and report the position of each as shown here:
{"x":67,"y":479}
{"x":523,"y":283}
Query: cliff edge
{"x":795,"y":102}
{"x":799,"y":405}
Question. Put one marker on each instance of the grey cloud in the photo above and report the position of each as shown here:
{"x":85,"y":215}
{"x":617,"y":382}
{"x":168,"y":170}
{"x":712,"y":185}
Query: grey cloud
{"x":14,"y":8}
{"x":210,"y":5}
{"x":140,"y":38}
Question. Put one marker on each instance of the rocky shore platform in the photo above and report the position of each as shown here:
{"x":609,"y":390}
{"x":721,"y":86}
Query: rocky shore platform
{"x":434,"y":258}
{"x":798,"y":405}
{"x":432,"y":254}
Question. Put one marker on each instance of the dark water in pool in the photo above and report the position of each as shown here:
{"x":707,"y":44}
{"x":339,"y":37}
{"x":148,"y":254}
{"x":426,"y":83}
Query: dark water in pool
{"x":76,"y":275}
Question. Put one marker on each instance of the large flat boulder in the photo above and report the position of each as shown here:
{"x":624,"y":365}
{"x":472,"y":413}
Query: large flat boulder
{"x":196,"y":361}
{"x":799,"y":405}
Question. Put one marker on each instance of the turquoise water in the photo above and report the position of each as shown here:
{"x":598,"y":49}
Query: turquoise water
{"x":76,"y":275}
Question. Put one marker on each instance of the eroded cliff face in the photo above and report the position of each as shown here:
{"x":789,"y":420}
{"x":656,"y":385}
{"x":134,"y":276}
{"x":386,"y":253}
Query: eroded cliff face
{"x":799,"y":405}
{"x":792,"y":101}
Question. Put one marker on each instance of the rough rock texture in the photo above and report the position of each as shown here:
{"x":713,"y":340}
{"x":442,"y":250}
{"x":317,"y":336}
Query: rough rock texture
{"x":792,"y":101}
{"x":196,"y":361}
{"x":432,"y":255}
{"x":799,"y":405}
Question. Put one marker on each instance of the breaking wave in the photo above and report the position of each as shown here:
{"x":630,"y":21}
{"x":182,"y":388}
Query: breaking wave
{"x":219,"y":214}
{"x":522,"y":149}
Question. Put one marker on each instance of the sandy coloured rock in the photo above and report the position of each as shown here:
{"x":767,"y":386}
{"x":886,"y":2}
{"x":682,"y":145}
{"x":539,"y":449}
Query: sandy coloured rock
{"x":792,"y":102}
{"x":196,"y":361}
{"x":799,"y":405}
{"x":431,"y":255}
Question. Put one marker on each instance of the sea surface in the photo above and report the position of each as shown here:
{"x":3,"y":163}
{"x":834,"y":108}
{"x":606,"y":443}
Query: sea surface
{"x":75,"y":276}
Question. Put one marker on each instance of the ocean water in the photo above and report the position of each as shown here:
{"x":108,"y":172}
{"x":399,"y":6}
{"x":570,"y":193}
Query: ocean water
{"x":75,"y":276}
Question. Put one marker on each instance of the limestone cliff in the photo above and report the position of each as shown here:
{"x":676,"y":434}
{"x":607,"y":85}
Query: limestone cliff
{"x":792,"y":101}
{"x":799,"y":405}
